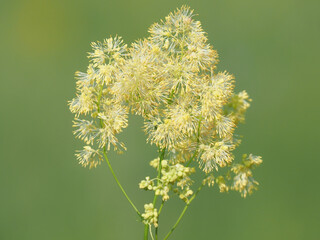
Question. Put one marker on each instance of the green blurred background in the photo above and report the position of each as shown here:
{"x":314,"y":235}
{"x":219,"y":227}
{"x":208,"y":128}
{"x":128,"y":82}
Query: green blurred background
{"x":272,"y":47}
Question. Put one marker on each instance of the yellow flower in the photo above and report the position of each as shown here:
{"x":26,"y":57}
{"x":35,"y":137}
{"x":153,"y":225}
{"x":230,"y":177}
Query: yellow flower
{"x":189,"y":109}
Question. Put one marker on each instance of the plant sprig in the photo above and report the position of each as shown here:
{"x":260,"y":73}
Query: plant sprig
{"x":190,"y":112}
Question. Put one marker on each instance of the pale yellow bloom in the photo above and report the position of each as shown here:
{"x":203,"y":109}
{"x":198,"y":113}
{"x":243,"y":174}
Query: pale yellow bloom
{"x":189,"y":109}
{"x":150,"y":216}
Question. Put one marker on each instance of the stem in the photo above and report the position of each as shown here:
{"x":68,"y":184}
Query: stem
{"x":183,"y":212}
{"x":159,"y":175}
{"x":107,"y":160}
{"x":146,"y":227}
{"x":98,"y":103}
{"x":161,"y":206}
{"x":155,"y":196}
{"x":115,"y":177}
{"x":151,"y":232}
{"x":198,"y":141}
{"x":160,"y":209}
{"x":192,"y":158}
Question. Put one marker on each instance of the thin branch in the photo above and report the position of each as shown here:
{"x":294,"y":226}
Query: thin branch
{"x":155,"y":196}
{"x":160,"y":209}
{"x":183,"y":212}
{"x":195,"y":154}
{"x":108,"y":162}
{"x":120,"y":186}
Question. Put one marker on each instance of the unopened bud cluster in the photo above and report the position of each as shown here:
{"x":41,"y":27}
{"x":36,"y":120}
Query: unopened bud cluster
{"x":150,"y":215}
{"x":173,"y":176}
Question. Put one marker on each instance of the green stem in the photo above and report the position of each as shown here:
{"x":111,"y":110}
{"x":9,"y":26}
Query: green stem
{"x":161,"y":206}
{"x":150,"y":232}
{"x":159,"y":175}
{"x":155,"y":196}
{"x":98,"y":103}
{"x":115,"y":177}
{"x":107,"y":160}
{"x":183,"y":212}
{"x":146,"y":228}
{"x":160,"y":209}
{"x":198,"y":142}
{"x":192,"y":158}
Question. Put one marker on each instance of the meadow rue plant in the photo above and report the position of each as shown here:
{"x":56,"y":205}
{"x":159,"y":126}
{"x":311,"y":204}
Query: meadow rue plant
{"x":190,"y":112}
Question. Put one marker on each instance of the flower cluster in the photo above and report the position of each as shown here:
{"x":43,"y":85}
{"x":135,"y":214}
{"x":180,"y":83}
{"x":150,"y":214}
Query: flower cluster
{"x":169,"y":79}
{"x":150,"y":215}
{"x":172,"y":175}
{"x":190,"y":109}
{"x":243,"y":181}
